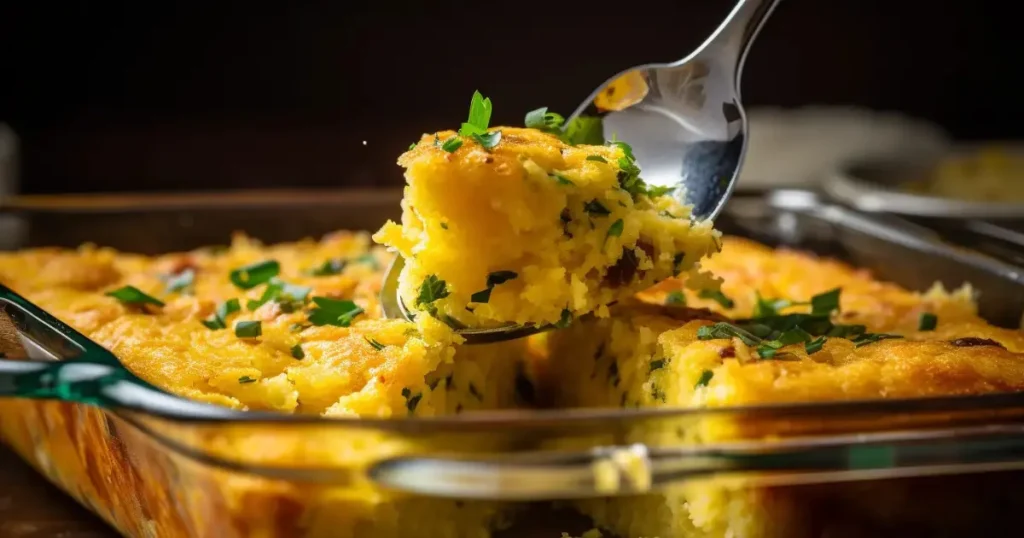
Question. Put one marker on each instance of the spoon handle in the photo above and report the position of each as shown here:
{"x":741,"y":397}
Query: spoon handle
{"x":731,"y":41}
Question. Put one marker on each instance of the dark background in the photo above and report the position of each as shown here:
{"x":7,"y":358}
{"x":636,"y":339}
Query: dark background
{"x":213,"y":95}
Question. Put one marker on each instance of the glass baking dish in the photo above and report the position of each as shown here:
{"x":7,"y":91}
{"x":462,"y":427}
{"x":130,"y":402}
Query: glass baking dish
{"x":154,"y":465}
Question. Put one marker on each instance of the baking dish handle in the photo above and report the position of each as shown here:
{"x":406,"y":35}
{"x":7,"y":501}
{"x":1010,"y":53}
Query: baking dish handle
{"x":630,"y":470}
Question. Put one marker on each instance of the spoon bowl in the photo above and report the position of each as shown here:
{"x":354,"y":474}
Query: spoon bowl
{"x":685,"y":124}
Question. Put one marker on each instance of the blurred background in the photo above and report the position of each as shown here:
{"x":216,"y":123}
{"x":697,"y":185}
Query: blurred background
{"x":159,"y":96}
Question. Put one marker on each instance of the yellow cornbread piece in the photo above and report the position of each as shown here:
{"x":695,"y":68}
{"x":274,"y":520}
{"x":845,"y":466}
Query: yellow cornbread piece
{"x":533,"y":230}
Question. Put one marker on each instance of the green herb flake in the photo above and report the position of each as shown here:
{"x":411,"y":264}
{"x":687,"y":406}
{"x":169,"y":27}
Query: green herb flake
{"x":411,"y":401}
{"x":654,"y":191}
{"x":584,"y":130}
{"x":338,"y":313}
{"x":297,"y":352}
{"x":825,"y":303}
{"x":871,"y":338}
{"x":219,"y":319}
{"x":183,"y":282}
{"x":565,"y":320}
{"x":330,"y":267}
{"x":770,"y":307}
{"x":452,"y":144}
{"x":376,"y":345}
{"x":248,"y":329}
{"x":815,"y":345}
{"x":657,"y":365}
{"x":615,"y":230}
{"x":927,"y":321}
{"x":718,"y":297}
{"x":676,"y":298}
{"x":130,"y":295}
{"x":253,"y":275}
{"x":723,"y":330}
{"x":597,"y":159}
{"x":500,"y":277}
{"x":481,"y":296}
{"x":488,"y":140}
{"x":543,"y":120}
{"x":561,"y":180}
{"x":246,"y":379}
{"x":479,"y":116}
{"x":444,"y":225}
{"x":595,"y":207}
{"x":705,"y":378}
{"x":431,"y":290}
{"x":412,"y":146}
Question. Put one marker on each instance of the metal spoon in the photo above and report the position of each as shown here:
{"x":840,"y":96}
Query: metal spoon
{"x":684,"y":121}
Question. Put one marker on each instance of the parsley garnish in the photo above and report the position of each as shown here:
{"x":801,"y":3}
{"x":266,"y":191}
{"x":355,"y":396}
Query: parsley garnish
{"x":479,"y":118}
{"x":248,"y":329}
{"x":770,"y":307}
{"x":493,"y":279}
{"x":615,"y":230}
{"x":488,"y":140}
{"x":297,"y":352}
{"x":431,"y":290}
{"x":726,"y":330}
{"x":656,"y":365}
{"x":825,"y":303}
{"x":451,"y":144}
{"x":130,"y":295}
{"x":718,"y":297}
{"x":597,"y":159}
{"x":283,"y":293}
{"x":330,"y":267}
{"x":339,"y":313}
{"x":675,"y":298}
{"x":253,"y":275}
{"x":582,"y":130}
{"x":543,"y":120}
{"x":927,"y":321}
{"x":595,"y":207}
{"x":182,"y":282}
{"x":705,"y":378}
{"x":376,"y":345}
{"x":219,"y":319}
{"x":246,"y":379}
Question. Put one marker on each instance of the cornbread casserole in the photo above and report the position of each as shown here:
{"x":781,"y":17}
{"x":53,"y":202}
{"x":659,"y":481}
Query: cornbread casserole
{"x":556,"y":230}
{"x":660,"y":353}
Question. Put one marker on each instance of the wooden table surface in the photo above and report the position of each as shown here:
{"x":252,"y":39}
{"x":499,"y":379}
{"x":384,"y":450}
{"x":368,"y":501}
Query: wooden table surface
{"x":32,"y":508}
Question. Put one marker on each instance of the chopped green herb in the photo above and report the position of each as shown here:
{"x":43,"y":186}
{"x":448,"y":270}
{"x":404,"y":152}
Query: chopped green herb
{"x":871,"y":338}
{"x":597,"y":159}
{"x":130,"y":295}
{"x":253,"y":275}
{"x":412,"y":146}
{"x":584,"y":130}
{"x":248,"y":329}
{"x":213,"y":323}
{"x":705,"y":378}
{"x":246,"y":379}
{"x":677,"y":262}
{"x":847,"y":331}
{"x":565,"y":320}
{"x":543,"y":120}
{"x":283,"y":293}
{"x":481,"y":296}
{"x":615,"y":230}
{"x":444,"y":225}
{"x":376,"y":345}
{"x":654,"y":191}
{"x":656,"y":365}
{"x":718,"y":297}
{"x":825,"y":303}
{"x":437,"y":140}
{"x":726,"y":330}
{"x":452,"y":144}
{"x":297,"y":352}
{"x":595,"y":207}
{"x":330,"y":267}
{"x":560,"y":179}
{"x":500,"y":277}
{"x":182,"y":282}
{"x":411,"y":401}
{"x":768,"y":349}
{"x":795,"y":335}
{"x":675,"y":298}
{"x":338,"y":313}
{"x":815,"y":345}
{"x":476,"y":393}
{"x":219,"y":319}
{"x":488,"y":140}
{"x":479,"y":116}
{"x":927,"y":321}
{"x":770,"y":307}
{"x":432,"y":290}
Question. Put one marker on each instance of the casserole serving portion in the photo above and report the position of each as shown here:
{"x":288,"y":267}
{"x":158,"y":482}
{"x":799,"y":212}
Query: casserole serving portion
{"x":349,"y":425}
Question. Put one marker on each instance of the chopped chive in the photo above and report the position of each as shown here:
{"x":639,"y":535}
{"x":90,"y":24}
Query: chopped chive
{"x":705,"y":378}
{"x":182,"y":282}
{"x":560,"y":179}
{"x":927,"y":321}
{"x":452,"y":144}
{"x":718,"y":297}
{"x":597,"y":159}
{"x":368,"y":259}
{"x":130,"y":295}
{"x":248,"y":329}
{"x":723,"y":330}
{"x":675,"y":298}
{"x":330,"y":267}
{"x":815,"y":345}
{"x":770,"y":307}
{"x":297,"y":352}
{"x":253,"y":275}
{"x":219,"y":319}
{"x":825,"y":303}
{"x":656,"y":191}
{"x":488,"y":140}
{"x":871,"y":338}
{"x":595,"y":207}
{"x":500,"y":277}
{"x":656,"y":365}
{"x":246,"y":379}
{"x":213,"y":323}
{"x":615,"y":230}
{"x":412,"y":146}
{"x":338,"y":313}
{"x":376,"y":345}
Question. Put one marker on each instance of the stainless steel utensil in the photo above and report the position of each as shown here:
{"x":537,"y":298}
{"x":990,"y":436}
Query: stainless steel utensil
{"x":684,"y":121}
